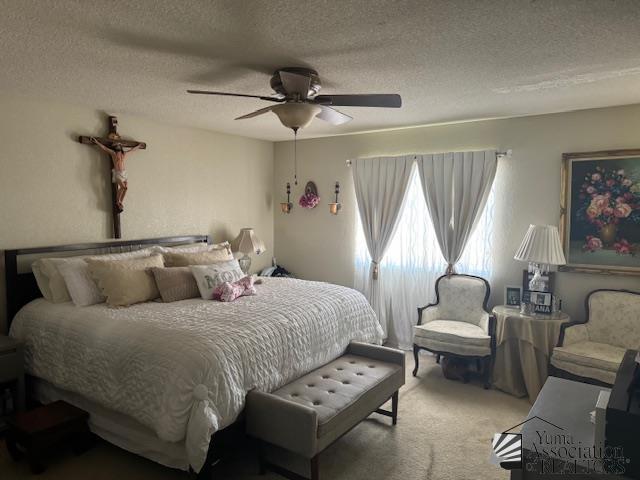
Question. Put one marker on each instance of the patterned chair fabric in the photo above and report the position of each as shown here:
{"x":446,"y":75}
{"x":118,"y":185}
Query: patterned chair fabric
{"x":594,"y":349}
{"x":458,"y":323}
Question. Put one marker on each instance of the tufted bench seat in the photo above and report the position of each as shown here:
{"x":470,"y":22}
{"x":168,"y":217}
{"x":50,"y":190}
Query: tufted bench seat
{"x":309,"y":414}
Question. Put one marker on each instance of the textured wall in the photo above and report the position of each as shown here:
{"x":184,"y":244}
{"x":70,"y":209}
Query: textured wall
{"x":54,"y":190}
{"x":316,"y":245}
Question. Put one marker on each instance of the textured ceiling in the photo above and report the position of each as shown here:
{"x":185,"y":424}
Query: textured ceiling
{"x":450,"y":59}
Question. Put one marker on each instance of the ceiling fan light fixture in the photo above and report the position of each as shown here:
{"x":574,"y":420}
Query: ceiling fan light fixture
{"x":296,"y":115}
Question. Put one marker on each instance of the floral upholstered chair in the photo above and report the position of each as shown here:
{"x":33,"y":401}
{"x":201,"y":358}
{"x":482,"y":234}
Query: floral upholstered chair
{"x":591,"y":351}
{"x":458,"y":324}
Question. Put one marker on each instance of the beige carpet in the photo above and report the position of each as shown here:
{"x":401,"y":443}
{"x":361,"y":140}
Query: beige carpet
{"x":443,"y":432}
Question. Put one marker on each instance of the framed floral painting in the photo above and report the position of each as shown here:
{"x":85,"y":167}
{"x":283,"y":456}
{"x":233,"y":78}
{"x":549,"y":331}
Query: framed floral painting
{"x":600,"y":211}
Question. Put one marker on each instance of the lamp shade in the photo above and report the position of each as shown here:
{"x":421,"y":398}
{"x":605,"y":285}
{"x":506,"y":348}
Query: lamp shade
{"x":541,"y":244}
{"x":247,"y":242}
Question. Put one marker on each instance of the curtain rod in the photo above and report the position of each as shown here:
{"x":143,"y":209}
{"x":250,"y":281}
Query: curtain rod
{"x":506,"y":154}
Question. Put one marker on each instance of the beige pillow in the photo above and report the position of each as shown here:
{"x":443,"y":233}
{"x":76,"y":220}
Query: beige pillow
{"x":197,"y":258}
{"x":175,"y":283}
{"x":125,"y":282}
{"x":52,"y":284}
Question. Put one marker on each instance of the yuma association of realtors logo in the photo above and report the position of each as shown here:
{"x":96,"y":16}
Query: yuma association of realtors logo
{"x":552,"y":450}
{"x":507,"y":447}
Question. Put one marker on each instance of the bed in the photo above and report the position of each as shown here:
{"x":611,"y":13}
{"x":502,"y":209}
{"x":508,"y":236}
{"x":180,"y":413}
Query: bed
{"x":160,"y":379}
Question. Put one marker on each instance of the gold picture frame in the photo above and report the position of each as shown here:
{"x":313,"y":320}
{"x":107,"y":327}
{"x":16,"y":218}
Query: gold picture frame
{"x":600,"y":212}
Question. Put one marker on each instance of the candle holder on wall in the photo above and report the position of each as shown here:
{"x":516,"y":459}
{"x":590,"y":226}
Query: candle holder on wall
{"x":286,"y":207}
{"x":335,"y":207}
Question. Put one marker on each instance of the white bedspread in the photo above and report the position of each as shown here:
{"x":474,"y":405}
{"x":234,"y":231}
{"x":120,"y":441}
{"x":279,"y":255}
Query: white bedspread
{"x":183,"y":369}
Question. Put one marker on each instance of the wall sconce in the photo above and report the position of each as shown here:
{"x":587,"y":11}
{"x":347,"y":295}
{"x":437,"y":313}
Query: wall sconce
{"x":335,"y":207}
{"x":286,"y":207}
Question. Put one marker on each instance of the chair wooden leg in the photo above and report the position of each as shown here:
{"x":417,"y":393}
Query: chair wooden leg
{"x":315,"y":468}
{"x":487,"y":372}
{"x":416,"y":350}
{"x":437,"y":358}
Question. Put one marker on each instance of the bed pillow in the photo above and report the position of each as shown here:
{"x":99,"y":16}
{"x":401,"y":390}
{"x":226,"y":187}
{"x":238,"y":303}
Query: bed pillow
{"x":82,"y":288}
{"x":125,"y":282}
{"x":54,"y":286}
{"x":197,"y":258}
{"x":42,"y":281}
{"x":192,"y":248}
{"x":175,"y":283}
{"x":208,"y":277}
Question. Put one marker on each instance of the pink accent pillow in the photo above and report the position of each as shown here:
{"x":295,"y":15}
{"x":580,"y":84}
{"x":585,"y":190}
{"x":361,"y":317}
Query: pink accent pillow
{"x":228,"y":292}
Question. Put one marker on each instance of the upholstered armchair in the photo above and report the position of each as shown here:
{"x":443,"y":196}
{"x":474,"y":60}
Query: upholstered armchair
{"x":591,"y":351}
{"x":458,"y":324}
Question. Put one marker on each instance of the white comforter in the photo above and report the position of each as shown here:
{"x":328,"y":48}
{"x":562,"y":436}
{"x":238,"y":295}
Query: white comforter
{"x":183,"y":369}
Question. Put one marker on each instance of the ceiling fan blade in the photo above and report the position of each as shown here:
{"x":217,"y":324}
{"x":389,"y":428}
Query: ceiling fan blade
{"x":256,"y":113}
{"x":364,"y":100}
{"x":295,"y":84}
{"x":333,"y":116}
{"x":206,"y":92}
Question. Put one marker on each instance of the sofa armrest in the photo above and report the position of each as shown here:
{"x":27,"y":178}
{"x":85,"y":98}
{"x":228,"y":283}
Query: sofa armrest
{"x":427,"y":314}
{"x":278,"y":421}
{"x":376,"y":352}
{"x":573,"y":332}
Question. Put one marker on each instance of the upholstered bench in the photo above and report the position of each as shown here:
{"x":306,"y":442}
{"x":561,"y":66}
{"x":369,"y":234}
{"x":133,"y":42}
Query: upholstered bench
{"x":301,"y":419}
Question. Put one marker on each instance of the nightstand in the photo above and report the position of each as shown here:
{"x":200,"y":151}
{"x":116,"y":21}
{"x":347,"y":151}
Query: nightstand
{"x":12,"y":371}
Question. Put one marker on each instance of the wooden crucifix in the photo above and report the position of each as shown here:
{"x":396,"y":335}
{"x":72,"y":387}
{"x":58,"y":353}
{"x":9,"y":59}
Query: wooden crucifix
{"x":118,"y":150}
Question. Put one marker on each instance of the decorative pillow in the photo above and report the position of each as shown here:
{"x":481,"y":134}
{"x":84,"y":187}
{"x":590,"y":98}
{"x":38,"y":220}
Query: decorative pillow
{"x":197,"y":258}
{"x":228,"y":292}
{"x":53,"y":283}
{"x":176,"y":283}
{"x":82,"y":288}
{"x":208,"y":277}
{"x":125,"y":282}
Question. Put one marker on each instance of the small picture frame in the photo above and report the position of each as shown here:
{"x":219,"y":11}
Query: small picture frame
{"x":512,"y":296}
{"x":548,"y":280}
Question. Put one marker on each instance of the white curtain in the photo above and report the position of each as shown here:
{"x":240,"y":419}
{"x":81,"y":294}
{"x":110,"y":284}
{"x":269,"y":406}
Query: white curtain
{"x":380,"y":187}
{"x":413,"y":262}
{"x":456,"y":186}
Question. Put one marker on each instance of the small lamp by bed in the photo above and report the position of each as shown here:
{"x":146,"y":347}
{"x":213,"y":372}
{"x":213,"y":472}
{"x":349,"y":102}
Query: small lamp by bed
{"x":247,"y":242}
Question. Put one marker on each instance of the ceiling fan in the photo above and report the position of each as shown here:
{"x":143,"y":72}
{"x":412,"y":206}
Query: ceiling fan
{"x":298,"y":103}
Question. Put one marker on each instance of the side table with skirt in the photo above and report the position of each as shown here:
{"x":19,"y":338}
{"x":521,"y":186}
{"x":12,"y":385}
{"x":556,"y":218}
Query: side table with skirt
{"x":524,"y":344}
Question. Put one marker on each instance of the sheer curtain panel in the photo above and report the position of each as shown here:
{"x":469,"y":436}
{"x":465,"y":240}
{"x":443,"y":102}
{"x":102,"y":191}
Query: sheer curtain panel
{"x":413,"y":263}
{"x":456,"y":186}
{"x":380,"y":187}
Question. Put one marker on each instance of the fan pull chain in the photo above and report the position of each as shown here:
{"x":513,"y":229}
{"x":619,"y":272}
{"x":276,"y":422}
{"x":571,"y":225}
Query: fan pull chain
{"x":295,"y":156}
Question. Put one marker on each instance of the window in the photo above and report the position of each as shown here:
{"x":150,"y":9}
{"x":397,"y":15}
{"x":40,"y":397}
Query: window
{"x":413,"y":261}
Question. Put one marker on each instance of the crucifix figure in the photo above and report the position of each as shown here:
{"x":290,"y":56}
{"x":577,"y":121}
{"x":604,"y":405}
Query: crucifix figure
{"x":118,"y":153}
{"x":118,"y":150}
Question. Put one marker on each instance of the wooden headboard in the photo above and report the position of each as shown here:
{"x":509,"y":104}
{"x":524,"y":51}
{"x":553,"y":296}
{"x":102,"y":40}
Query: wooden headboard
{"x":22,"y":286}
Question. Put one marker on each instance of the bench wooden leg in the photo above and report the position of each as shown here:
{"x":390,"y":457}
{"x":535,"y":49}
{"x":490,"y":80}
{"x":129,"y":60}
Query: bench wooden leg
{"x":315,"y":468}
{"x":394,"y":408}
{"x":416,"y":350}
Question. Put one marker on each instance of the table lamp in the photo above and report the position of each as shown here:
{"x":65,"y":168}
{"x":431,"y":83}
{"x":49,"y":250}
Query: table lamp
{"x":247,"y":242}
{"x":541,"y":248}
